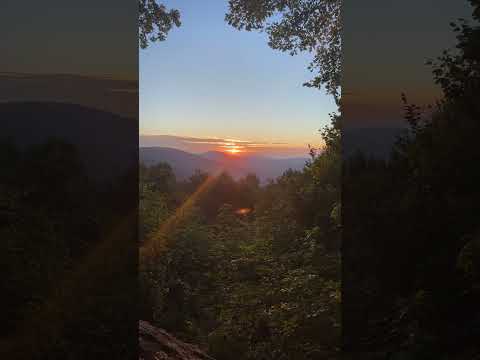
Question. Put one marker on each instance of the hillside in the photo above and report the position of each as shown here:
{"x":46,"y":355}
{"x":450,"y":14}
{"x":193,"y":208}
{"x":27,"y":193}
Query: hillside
{"x":184,"y":164}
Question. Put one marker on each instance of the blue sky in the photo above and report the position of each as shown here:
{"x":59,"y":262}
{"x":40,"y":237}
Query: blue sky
{"x":208,"y":80}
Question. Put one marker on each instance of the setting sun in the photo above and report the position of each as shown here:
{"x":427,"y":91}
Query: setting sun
{"x":232,"y":148}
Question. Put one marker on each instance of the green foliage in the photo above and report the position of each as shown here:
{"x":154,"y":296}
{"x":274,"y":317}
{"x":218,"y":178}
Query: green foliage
{"x":254,"y":271}
{"x":155,"y":185}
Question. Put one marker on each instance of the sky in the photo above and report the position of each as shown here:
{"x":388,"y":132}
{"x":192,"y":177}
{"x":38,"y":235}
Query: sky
{"x":217,"y":85}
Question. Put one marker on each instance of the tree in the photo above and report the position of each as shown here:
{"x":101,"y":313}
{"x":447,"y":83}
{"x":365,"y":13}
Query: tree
{"x":296,"y":26}
{"x":155,"y":21}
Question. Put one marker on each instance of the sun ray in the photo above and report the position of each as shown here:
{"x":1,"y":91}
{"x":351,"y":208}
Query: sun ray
{"x":155,"y":243}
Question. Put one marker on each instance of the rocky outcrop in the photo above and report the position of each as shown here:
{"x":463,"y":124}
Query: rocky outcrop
{"x":157,"y":344}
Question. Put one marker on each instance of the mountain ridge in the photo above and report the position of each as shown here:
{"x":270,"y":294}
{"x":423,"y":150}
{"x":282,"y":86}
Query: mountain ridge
{"x":184,"y":163}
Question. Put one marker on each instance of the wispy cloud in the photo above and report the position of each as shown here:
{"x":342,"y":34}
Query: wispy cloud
{"x":198,"y":145}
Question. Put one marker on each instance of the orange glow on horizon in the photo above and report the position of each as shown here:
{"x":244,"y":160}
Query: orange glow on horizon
{"x":232,"y":148}
{"x":233,"y":151}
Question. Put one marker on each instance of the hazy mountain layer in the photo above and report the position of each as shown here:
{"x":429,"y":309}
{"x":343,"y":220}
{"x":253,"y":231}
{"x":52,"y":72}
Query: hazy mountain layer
{"x":184,"y":164}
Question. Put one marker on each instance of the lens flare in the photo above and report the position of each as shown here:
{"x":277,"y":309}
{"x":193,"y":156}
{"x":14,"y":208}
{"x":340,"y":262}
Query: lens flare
{"x":243,"y":211}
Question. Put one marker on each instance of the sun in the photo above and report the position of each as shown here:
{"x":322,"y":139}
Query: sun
{"x":233,"y":151}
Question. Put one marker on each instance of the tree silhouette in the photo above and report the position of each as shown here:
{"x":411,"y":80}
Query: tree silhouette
{"x":297,"y":26}
{"x":155,"y":21}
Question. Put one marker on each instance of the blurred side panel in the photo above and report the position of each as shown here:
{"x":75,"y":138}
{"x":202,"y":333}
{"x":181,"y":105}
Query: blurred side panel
{"x":68,"y":179}
{"x":410,"y":164}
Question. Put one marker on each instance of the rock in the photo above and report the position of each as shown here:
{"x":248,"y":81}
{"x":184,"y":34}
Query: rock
{"x":157,"y":344}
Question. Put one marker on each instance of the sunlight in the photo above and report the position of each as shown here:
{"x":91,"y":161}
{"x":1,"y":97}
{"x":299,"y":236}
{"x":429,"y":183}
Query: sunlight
{"x":234,"y":151}
{"x":157,"y":242}
{"x":232,"y":148}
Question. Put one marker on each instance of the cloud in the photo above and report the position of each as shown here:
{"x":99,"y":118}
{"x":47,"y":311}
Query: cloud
{"x":199,"y":145}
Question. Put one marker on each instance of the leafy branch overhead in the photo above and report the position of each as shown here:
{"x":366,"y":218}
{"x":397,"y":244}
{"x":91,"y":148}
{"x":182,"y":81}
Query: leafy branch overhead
{"x":297,"y":26}
{"x":292,"y":26}
{"x":155,"y":21}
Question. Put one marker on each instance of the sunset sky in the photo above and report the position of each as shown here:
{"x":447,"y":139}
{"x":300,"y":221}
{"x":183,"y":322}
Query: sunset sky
{"x":211,"y":87}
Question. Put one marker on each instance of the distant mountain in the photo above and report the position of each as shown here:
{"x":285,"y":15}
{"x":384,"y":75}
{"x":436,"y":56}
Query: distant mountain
{"x":184,"y":164}
{"x":271,"y":168}
{"x":216,"y":155}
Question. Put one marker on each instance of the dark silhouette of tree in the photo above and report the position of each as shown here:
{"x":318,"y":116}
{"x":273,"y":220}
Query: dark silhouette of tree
{"x":155,"y":21}
{"x":296,"y":26}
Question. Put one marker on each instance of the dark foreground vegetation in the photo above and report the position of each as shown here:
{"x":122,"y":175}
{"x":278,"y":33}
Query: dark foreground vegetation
{"x":247,"y":272}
